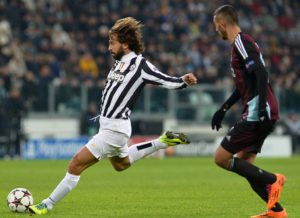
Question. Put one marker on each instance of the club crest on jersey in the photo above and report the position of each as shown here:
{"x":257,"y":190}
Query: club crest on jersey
{"x":132,"y":67}
{"x":116,"y":76}
{"x":121,"y":65}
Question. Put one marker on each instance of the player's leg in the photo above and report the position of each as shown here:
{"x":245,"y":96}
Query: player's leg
{"x":138,"y":151}
{"x":248,"y":156}
{"x":80,"y":161}
{"x":258,"y":178}
{"x":225,"y":159}
{"x":240,"y":137}
{"x":261,"y":189}
{"x":274,"y":190}
{"x":120,"y":163}
{"x":127,"y":156}
{"x":248,"y":136}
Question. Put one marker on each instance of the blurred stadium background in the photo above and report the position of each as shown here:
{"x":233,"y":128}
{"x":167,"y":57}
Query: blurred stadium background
{"x":54,"y":61}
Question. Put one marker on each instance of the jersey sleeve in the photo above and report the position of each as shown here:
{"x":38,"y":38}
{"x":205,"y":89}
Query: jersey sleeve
{"x":250,"y":53}
{"x":254,"y":64}
{"x":234,"y":97}
{"x":151,"y":75}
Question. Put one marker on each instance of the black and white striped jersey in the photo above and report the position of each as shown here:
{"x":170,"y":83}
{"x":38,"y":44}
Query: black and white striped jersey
{"x":126,"y":81}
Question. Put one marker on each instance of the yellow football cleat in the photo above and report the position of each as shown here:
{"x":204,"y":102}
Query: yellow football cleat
{"x":174,"y":138}
{"x":39,"y":209}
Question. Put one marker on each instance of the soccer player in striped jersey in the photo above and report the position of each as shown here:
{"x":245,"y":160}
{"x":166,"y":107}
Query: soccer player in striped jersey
{"x":260,"y":112}
{"x":125,"y":81}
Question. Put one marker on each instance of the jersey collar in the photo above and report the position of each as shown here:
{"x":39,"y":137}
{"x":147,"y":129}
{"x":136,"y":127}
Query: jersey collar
{"x":128,"y":56}
{"x":240,"y":33}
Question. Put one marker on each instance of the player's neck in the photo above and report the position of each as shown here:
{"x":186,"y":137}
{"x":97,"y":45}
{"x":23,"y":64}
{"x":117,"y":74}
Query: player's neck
{"x":233,"y":32}
{"x":127,"y":51}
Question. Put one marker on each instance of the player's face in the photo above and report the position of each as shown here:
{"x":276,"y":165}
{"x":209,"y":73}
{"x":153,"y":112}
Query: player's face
{"x":220,"y":27}
{"x":115,"y":47}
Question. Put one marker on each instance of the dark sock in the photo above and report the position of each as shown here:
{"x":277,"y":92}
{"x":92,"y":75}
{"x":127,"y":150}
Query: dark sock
{"x":249,"y":171}
{"x":277,"y":207}
{"x":261,"y":191}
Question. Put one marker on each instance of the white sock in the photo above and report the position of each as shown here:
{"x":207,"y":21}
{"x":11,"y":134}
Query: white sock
{"x":138,"y":151}
{"x":62,"y":189}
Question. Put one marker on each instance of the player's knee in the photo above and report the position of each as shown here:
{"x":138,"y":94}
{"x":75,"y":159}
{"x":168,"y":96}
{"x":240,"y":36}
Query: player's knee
{"x":222,"y":157}
{"x":121,"y":166}
{"x":221,"y":162}
{"x":217,"y":161}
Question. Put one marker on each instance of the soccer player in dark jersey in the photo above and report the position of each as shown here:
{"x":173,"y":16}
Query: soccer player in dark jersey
{"x":244,"y":140}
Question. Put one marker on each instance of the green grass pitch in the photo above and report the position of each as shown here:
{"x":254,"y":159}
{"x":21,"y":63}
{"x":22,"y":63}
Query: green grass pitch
{"x":172,"y":187}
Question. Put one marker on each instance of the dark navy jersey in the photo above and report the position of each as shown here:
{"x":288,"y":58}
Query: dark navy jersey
{"x":245,"y":59}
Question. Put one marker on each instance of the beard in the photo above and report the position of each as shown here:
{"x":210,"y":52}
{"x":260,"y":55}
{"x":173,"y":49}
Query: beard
{"x":224,"y":37}
{"x":119,"y":54}
{"x":223,"y":34}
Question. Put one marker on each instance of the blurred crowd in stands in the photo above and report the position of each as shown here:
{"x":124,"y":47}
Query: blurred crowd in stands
{"x":64,"y":42}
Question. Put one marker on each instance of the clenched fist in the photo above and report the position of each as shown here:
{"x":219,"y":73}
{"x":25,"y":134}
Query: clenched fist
{"x":189,"y":79}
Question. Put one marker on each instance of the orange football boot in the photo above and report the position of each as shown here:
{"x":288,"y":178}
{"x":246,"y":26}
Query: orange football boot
{"x":272,"y":214}
{"x":275,"y":190}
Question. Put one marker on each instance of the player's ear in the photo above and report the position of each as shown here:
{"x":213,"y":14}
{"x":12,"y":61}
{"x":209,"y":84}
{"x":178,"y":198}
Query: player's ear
{"x":125,"y":46}
{"x":223,"y":24}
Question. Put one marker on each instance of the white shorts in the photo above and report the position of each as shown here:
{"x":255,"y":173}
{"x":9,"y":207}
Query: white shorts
{"x":108,"y":143}
{"x":116,"y":125}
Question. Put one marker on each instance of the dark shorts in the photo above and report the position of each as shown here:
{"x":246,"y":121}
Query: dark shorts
{"x":247,"y":136}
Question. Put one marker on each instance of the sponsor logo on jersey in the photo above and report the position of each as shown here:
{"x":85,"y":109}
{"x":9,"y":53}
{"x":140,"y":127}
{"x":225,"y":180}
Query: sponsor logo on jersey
{"x":116,"y":76}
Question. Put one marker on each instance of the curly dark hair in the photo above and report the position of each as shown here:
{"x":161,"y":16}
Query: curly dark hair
{"x":128,"y":30}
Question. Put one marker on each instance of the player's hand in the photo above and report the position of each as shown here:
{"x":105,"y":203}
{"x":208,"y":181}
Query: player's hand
{"x":189,"y":79}
{"x":265,"y":122}
{"x":217,"y":119}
